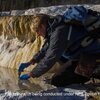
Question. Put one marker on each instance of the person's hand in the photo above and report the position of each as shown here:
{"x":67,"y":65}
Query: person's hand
{"x":24,"y":77}
{"x":23,"y":66}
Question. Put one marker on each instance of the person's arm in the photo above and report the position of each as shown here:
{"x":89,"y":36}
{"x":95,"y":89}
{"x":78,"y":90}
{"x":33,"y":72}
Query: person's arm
{"x":34,"y":60}
{"x":58,"y":43}
{"x":38,"y":56}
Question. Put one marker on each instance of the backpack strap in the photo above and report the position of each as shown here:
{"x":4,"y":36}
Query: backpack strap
{"x":86,"y":41}
{"x":93,"y":25}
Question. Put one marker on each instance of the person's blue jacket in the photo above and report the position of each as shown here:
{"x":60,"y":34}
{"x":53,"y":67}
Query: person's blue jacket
{"x":57,"y":39}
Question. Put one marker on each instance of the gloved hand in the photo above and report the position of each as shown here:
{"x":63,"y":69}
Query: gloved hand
{"x":23,"y":66}
{"x":24,"y":77}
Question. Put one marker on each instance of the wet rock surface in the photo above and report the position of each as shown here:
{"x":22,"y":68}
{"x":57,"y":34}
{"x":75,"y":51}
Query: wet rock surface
{"x":9,"y":81}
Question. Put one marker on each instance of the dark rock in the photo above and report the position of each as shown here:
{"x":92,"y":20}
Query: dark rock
{"x":7,"y":5}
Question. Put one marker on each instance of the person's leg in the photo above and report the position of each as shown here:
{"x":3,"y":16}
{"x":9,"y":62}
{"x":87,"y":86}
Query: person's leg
{"x":66,"y":76}
{"x":96,"y":72}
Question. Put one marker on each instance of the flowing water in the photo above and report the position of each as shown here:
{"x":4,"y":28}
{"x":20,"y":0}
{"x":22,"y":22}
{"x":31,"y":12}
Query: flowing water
{"x":9,"y":81}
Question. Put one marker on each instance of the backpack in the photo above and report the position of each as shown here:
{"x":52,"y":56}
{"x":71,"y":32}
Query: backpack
{"x":90,"y":19}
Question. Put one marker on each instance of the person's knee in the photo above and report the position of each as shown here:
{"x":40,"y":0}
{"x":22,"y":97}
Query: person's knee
{"x":55,"y":81}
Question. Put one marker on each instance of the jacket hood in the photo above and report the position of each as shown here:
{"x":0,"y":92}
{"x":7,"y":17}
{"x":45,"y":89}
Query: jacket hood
{"x":53,"y":23}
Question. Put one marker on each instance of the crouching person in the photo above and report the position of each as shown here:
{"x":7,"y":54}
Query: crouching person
{"x":57,"y":35}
